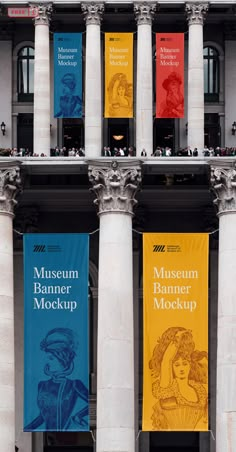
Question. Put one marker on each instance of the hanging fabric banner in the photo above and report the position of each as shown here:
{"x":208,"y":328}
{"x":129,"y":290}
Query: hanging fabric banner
{"x":175,"y":361}
{"x":56,"y":332}
{"x":170,"y":75}
{"x":118,"y":75}
{"x":67,"y":75}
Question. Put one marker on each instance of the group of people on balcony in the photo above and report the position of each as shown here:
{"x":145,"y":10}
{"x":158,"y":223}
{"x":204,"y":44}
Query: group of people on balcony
{"x":124,"y":152}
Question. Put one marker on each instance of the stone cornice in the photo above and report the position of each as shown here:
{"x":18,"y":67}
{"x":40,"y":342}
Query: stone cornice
{"x":92,"y":12}
{"x":144,"y":12}
{"x":10,"y":183}
{"x":196,"y":12}
{"x":44,"y":13}
{"x":223,"y":181}
{"x":115,"y":185}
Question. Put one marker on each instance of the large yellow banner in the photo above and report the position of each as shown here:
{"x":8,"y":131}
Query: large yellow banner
{"x":118,"y":75}
{"x":175,"y":361}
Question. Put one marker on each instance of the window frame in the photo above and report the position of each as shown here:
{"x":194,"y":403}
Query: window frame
{"x":24,"y":96}
{"x":212,"y":72}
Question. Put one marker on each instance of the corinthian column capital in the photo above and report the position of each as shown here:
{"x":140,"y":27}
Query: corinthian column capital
{"x":115,"y":186}
{"x":196,"y":12}
{"x":44,"y":12}
{"x":92,"y":12}
{"x":10,"y":182}
{"x":144,"y":12}
{"x":223,"y":181}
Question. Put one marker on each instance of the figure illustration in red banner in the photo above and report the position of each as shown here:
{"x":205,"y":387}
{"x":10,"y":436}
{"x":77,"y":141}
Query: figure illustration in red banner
{"x":173,"y":107}
{"x":120,"y":96}
{"x":180,"y":386}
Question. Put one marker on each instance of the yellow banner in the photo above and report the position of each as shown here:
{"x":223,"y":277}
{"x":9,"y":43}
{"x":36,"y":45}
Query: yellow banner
{"x":118,"y":75}
{"x":175,"y":361}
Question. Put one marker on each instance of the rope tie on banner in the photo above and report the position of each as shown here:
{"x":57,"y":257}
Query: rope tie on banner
{"x":22,"y":233}
{"x":212,"y":435}
{"x":93,"y":437}
{"x":97,"y":230}
{"x":139,"y":232}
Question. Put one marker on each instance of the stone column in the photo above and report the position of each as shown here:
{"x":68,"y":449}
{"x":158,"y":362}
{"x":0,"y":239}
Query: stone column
{"x":115,"y":186}
{"x":42,"y":80}
{"x":144,"y":90}
{"x":93,"y":85}
{"x":223,"y":179}
{"x":9,"y":181}
{"x":195,"y":15}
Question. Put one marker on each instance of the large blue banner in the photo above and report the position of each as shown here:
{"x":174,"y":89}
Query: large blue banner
{"x":67,"y":75}
{"x":56,"y":332}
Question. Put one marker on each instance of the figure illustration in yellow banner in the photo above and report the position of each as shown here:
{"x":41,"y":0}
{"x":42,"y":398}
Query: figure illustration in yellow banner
{"x":120,"y":95}
{"x":180,"y":385}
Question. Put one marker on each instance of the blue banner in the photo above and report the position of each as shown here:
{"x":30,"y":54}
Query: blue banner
{"x":56,"y":332}
{"x":67,"y":75}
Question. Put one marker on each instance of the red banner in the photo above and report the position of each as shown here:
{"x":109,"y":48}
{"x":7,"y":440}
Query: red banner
{"x":169,"y":75}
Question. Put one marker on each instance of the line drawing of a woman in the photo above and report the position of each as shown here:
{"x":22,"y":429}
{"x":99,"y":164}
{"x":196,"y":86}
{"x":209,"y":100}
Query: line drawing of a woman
{"x":70,"y":103}
{"x":62,"y":402}
{"x":120,"y":96}
{"x":174,"y":104}
{"x":180,"y":385}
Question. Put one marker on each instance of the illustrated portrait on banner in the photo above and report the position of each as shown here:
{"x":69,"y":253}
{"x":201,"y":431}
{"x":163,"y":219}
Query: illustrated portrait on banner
{"x":180,"y":378}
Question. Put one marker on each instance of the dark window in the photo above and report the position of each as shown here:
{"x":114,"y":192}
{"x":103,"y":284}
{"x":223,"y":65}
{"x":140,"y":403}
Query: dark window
{"x":25,"y":74}
{"x":211,"y":74}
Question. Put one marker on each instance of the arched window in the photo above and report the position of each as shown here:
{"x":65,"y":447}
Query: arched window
{"x":25,"y":74}
{"x":211,"y":74}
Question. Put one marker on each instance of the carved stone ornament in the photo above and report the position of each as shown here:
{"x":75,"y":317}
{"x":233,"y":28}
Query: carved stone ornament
{"x":144,"y":12}
{"x":115,"y":186}
{"x":44,"y":13}
{"x":10,"y":183}
{"x":196,"y":12}
{"x":223,"y":181}
{"x":92,"y":12}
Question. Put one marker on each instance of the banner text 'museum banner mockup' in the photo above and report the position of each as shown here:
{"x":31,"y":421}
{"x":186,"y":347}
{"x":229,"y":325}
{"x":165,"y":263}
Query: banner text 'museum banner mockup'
{"x":67,"y":75}
{"x":169,"y":75}
{"x":118,"y":75}
{"x":56,"y":332}
{"x":175,"y":362}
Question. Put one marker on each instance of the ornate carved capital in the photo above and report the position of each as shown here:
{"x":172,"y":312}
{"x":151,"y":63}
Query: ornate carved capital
{"x":44,"y":12}
{"x":144,"y":12}
{"x":196,"y":12}
{"x":223,"y":181}
{"x":115,"y":186}
{"x":92,"y":12}
{"x":10,"y":183}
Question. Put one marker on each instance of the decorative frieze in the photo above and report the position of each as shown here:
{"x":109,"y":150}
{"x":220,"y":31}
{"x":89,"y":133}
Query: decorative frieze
{"x":44,"y":12}
{"x":92,"y":12}
{"x":223,"y":181}
{"x":196,"y":12}
{"x":10,"y":183}
{"x":144,"y":12}
{"x":115,"y":186}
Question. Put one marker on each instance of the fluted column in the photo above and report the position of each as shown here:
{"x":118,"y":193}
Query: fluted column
{"x":9,"y":182}
{"x":93,"y":87}
{"x":144,"y":91}
{"x":115,"y":186}
{"x":223,"y":179}
{"x":196,"y":13}
{"x":42,"y":79}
